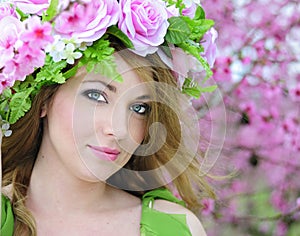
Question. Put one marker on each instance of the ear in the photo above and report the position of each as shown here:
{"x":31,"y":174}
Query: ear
{"x":43,"y":111}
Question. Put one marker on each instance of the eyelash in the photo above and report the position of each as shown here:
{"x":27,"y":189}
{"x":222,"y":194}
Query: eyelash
{"x":146,"y":107}
{"x":89,"y":94}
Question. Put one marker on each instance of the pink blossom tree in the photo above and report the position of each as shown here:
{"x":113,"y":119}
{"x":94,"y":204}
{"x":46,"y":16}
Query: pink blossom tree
{"x":258,"y":74}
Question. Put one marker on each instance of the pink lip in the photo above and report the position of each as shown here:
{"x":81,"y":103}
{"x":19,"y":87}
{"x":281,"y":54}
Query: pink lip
{"x":105,"y":153}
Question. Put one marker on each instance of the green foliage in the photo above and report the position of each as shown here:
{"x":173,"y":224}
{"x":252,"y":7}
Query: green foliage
{"x":51,"y":11}
{"x":51,"y":72}
{"x":193,"y":89}
{"x":187,"y":33}
{"x":115,"y":31}
{"x":199,"y":14}
{"x":177,"y":3}
{"x":195,"y":50}
{"x":198,"y":27}
{"x":20,"y":103}
{"x":178,"y":30}
{"x":22,"y":15}
{"x":15,"y":102}
{"x":99,"y":59}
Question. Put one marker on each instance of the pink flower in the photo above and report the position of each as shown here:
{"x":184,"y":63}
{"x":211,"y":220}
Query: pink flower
{"x":180,"y":64}
{"x":298,"y":202}
{"x":145,"y":22}
{"x":32,"y":6}
{"x":208,"y":206}
{"x":10,"y":27}
{"x":278,"y":201}
{"x":222,"y":71}
{"x":5,"y":82}
{"x":295,"y":93}
{"x":37,"y":34}
{"x":190,"y":8}
{"x":172,"y":11}
{"x":210,"y":47}
{"x":14,"y":71}
{"x":34,"y":57}
{"x":88,"y":22}
{"x":6,"y":10}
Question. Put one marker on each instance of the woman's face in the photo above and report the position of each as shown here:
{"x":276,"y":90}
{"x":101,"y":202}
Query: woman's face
{"x":93,"y":124}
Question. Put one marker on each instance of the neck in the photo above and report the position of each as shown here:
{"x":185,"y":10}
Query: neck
{"x":63,"y":192}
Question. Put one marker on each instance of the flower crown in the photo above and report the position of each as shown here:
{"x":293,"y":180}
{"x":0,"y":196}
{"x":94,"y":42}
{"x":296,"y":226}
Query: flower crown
{"x":40,"y":42}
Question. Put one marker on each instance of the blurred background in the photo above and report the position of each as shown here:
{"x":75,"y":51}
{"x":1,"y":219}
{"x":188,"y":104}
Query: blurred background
{"x":256,"y":119}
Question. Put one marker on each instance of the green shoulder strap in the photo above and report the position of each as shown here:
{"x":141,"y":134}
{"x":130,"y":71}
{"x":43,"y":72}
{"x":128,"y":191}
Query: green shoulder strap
{"x":7,"y":217}
{"x":157,"y":223}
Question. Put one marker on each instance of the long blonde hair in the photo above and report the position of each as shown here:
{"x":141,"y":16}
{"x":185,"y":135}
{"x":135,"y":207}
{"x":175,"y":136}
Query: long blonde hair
{"x":20,"y":150}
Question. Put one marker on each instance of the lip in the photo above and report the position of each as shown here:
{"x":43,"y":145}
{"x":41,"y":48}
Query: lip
{"x":105,"y":153}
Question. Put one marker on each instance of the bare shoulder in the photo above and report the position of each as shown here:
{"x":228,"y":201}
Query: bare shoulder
{"x":193,"y":222}
{"x":7,"y":191}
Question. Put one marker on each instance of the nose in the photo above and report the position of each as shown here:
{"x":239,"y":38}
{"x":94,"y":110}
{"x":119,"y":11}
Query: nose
{"x":115,"y":123}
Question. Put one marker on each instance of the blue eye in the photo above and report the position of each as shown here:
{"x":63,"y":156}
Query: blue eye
{"x":141,"y":109}
{"x":95,"y":95}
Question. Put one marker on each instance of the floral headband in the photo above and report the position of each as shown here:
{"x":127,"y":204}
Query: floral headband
{"x":41,"y":40}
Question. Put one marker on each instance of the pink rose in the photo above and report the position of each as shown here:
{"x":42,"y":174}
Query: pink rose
{"x":88,"y":22}
{"x":145,"y":22}
{"x":32,"y":6}
{"x":6,"y":10}
{"x":210,"y":47}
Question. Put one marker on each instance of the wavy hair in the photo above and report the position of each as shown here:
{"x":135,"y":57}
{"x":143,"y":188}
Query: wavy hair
{"x":19,"y":151}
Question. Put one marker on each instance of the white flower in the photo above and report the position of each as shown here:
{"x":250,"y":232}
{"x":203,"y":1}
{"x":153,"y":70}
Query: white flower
{"x":69,"y":53}
{"x":189,"y":3}
{"x":5,"y":129}
{"x":56,"y":49}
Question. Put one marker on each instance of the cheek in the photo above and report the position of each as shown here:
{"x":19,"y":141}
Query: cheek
{"x":137,"y":129}
{"x":60,"y":121}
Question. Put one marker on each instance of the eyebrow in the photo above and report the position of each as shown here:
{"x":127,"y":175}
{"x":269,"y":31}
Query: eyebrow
{"x":114,"y":89}
{"x":109,"y":86}
{"x":143,"y":97}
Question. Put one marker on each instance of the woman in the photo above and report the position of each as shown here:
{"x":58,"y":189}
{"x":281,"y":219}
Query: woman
{"x":94,"y":152}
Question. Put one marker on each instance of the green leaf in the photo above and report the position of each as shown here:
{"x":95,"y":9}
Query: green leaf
{"x":22,"y":14}
{"x":3,"y":108}
{"x":51,"y":72}
{"x":199,"y":14}
{"x":178,"y":30}
{"x":115,"y":31}
{"x":108,"y":68}
{"x":193,"y":92}
{"x":193,"y":89}
{"x":6,"y":93}
{"x":71,"y":72}
{"x":195,"y":51}
{"x":208,"y":89}
{"x":51,"y":11}
{"x":178,"y":4}
{"x":20,"y":103}
{"x":99,"y":59}
{"x":166,"y":49}
{"x":198,"y":27}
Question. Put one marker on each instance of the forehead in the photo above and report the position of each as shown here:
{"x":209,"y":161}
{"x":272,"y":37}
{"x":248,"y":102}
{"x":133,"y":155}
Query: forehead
{"x":134,"y":71}
{"x":133,"y":77}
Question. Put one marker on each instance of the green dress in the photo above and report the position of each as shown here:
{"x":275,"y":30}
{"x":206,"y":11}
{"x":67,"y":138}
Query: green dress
{"x":7,"y":217}
{"x":153,"y":222}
